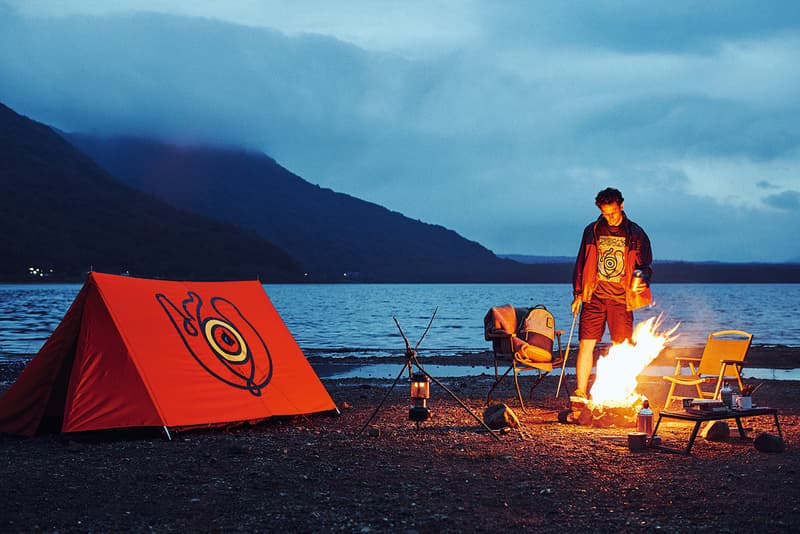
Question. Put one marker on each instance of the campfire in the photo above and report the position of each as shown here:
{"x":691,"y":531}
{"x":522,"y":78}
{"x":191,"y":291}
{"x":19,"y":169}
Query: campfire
{"x":614,"y":398}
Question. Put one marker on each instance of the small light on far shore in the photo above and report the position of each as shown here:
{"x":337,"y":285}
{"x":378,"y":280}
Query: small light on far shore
{"x":39,"y":272}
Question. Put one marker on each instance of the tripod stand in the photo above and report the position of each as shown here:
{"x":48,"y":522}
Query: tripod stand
{"x":412,"y":361}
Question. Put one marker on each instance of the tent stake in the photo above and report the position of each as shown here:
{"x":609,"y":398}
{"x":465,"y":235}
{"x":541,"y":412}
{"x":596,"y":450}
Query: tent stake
{"x":166,"y":432}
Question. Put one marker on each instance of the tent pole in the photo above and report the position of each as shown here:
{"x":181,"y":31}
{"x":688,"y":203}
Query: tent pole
{"x":166,"y":433}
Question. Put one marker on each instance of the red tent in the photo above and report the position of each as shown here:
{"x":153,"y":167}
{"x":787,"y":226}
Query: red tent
{"x":133,"y":352}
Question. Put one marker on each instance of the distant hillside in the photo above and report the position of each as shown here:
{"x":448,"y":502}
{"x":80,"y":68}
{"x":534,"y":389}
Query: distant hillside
{"x":559,"y":268}
{"x":671,"y":271}
{"x":339,"y":237}
{"x":726,"y":273}
{"x":533,"y":260}
{"x":334,"y":236}
{"x":61,"y":212}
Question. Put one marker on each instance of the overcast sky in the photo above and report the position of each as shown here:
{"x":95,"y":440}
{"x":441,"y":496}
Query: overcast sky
{"x":498,"y":119}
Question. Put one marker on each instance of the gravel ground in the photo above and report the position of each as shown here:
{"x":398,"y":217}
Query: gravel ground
{"x":322,"y":473}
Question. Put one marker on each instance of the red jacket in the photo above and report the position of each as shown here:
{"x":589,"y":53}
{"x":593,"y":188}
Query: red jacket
{"x":638,"y":255}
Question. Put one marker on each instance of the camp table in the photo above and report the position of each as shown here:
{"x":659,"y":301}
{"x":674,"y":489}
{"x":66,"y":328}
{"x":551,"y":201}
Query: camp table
{"x":699,"y":418}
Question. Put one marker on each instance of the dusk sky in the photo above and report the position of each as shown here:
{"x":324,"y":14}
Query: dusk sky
{"x":498,"y":119}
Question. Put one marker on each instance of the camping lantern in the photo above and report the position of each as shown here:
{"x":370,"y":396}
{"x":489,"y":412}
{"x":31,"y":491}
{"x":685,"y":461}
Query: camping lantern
{"x":420,"y":393}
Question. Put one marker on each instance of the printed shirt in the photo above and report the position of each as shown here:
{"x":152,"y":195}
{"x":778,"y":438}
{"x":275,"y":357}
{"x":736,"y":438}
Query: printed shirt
{"x":611,"y":262}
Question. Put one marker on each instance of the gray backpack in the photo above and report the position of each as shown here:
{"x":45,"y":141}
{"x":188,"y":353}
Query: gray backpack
{"x":538,"y":330}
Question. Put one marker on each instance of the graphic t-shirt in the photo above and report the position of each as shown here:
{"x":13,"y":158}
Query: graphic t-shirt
{"x":610,"y":263}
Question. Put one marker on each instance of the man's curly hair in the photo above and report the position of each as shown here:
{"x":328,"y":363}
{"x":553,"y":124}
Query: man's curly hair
{"x":609,"y":195}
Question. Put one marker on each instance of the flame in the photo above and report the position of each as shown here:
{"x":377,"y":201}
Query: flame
{"x":615,"y":379}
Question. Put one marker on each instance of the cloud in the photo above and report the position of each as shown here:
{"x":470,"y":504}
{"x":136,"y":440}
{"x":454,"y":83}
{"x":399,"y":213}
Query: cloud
{"x":630,"y":26}
{"x":502,"y":126}
{"x":413,"y":27}
{"x":785,"y":200}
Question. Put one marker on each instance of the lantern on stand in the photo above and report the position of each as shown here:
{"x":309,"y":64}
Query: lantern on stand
{"x":420,"y":393}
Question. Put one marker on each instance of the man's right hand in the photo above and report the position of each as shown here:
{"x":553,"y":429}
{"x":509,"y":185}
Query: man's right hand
{"x":576,"y":305}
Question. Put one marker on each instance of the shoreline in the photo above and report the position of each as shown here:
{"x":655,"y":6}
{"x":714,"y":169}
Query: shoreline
{"x":763,"y":356}
{"x":759,"y":356}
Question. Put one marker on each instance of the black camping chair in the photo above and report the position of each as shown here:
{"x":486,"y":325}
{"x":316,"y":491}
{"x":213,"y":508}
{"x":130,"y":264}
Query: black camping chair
{"x":502,"y":326}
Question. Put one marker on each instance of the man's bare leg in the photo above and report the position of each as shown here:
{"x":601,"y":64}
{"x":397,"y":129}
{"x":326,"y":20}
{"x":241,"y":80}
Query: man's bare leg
{"x":584,"y":364}
{"x":579,"y":412}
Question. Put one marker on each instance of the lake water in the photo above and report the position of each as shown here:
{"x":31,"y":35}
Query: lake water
{"x":356,"y":319}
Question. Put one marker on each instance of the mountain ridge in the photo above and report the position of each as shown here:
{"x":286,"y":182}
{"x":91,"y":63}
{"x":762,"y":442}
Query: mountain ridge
{"x":63,"y":215}
{"x":333,"y":235}
{"x":398,"y":248}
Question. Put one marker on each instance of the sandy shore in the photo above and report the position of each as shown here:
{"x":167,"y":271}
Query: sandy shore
{"x":322,"y":473}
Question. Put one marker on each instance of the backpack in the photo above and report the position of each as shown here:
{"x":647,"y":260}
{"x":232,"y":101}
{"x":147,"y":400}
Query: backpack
{"x":537,"y":329}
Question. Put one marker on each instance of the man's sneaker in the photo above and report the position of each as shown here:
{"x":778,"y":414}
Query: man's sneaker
{"x":578,"y":399}
{"x":579,"y":412}
{"x":579,"y":394}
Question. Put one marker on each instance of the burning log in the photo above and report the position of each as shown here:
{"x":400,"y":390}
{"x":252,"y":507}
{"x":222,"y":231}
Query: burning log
{"x":614,"y":417}
{"x":599,"y":416}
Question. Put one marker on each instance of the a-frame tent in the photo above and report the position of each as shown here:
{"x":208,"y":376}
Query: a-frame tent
{"x":133,"y":352}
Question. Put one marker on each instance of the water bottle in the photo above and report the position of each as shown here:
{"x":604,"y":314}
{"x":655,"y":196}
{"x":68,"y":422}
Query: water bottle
{"x":644,"y":420}
{"x":638,"y":280}
{"x":726,"y":394}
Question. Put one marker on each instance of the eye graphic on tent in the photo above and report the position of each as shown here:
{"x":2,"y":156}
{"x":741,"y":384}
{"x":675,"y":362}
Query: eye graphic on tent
{"x":222,"y":340}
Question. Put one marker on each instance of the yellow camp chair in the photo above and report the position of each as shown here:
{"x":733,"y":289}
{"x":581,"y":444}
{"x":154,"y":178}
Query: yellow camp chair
{"x":722,"y":359}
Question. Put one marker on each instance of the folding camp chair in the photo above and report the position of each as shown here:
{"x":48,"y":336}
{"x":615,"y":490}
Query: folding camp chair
{"x":722,"y":359}
{"x":502,"y":326}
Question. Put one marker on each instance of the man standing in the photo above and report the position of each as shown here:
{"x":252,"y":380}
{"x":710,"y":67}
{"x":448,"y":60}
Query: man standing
{"x":610,"y":280}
